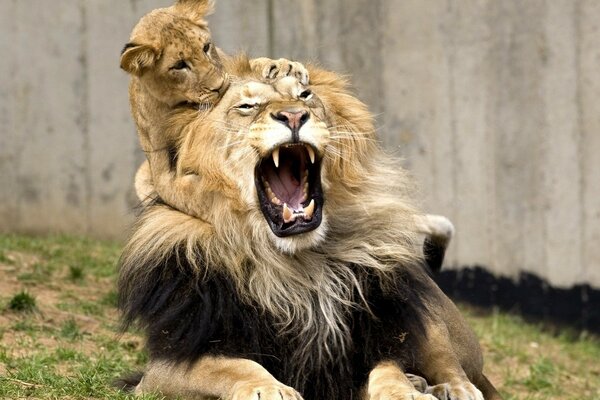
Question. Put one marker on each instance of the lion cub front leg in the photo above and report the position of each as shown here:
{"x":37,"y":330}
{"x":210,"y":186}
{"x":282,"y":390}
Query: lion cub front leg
{"x":274,"y":69}
{"x":214,"y":377}
{"x":388,"y":382}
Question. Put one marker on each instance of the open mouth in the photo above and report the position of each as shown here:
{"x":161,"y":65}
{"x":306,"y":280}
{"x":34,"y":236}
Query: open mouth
{"x":288,"y":183}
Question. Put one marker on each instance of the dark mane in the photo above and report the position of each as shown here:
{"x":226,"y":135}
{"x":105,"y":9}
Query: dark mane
{"x":186,"y":316}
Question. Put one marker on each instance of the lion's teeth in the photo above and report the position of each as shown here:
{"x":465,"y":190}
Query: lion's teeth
{"x":275,"y":200}
{"x":309,"y":209}
{"x":288,"y":216}
{"x":311,"y":154}
{"x":275,"y":155}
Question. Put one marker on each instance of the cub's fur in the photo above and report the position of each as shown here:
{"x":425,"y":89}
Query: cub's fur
{"x":176,"y":72}
{"x":331,"y":302}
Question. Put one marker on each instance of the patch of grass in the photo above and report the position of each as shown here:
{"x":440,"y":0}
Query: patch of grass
{"x":67,"y":354}
{"x":110,"y":299}
{"x":76,"y":273}
{"x":25,"y":326}
{"x":95,"y":258}
{"x":39,"y":272}
{"x":22,"y":302}
{"x":541,"y":376}
{"x":4,"y":259}
{"x":70,"y":330}
{"x":37,"y":377}
{"x":84,"y":307}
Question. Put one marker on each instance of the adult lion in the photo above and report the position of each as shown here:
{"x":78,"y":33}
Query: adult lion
{"x":302,"y":278}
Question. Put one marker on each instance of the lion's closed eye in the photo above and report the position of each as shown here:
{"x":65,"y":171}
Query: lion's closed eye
{"x":246,"y":108}
{"x":179,"y":65}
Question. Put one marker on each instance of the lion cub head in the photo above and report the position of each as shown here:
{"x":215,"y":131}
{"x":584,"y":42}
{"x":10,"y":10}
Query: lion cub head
{"x":170,"y":51}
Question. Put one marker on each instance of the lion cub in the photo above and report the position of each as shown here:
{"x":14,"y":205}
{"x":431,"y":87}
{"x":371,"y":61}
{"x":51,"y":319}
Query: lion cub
{"x":176,"y":72}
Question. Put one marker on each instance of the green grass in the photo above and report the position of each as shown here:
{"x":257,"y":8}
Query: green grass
{"x":68,"y":347}
{"x":70,"y":330}
{"x":76,"y":272}
{"x":22,"y":301}
{"x":96,"y":258}
{"x":4,"y":259}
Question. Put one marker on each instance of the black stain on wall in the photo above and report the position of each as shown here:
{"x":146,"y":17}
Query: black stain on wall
{"x":529,"y":295}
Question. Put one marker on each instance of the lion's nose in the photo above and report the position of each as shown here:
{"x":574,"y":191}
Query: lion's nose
{"x":293,"y":119}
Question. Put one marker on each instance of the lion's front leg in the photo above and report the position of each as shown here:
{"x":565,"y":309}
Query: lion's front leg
{"x":388,"y":382}
{"x":214,"y":377}
{"x":442,"y":367}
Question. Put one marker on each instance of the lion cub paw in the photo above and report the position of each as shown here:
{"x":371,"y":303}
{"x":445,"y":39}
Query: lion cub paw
{"x":455,"y":391}
{"x":275,"y":69}
{"x":261,"y":391}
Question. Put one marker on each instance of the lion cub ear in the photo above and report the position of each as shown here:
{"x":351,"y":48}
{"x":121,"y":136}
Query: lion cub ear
{"x":196,"y":10}
{"x":136,"y":58}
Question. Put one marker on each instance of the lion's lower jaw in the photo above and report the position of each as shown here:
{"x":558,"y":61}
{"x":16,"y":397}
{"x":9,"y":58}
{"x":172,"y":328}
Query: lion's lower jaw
{"x":303,"y":241}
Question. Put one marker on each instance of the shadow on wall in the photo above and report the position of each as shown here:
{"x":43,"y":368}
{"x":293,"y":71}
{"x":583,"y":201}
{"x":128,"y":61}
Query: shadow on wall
{"x":531,"y":296}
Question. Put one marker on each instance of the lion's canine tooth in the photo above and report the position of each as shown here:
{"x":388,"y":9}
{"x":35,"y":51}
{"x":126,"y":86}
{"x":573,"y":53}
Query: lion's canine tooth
{"x":288,"y":216}
{"x":309,"y":209}
{"x":275,"y":155}
{"x":311,"y":153}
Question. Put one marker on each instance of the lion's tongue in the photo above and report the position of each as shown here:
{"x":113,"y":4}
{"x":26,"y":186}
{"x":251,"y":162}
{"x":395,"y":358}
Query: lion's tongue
{"x":285,"y":186}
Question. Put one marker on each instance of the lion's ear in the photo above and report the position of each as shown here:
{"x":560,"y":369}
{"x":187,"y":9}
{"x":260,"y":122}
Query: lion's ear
{"x":196,"y":10}
{"x":135,"y":58}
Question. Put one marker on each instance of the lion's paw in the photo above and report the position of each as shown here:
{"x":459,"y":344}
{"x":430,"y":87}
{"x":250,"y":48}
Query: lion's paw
{"x":459,"y":390}
{"x":262,"y":391}
{"x":275,"y":69}
{"x":403,"y":395}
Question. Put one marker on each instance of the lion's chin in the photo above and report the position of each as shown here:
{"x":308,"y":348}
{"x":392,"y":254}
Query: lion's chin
{"x":297,"y":243}
{"x":288,"y":184}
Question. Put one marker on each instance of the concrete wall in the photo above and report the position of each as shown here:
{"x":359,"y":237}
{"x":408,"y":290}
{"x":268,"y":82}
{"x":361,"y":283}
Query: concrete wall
{"x":494,"y":104}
